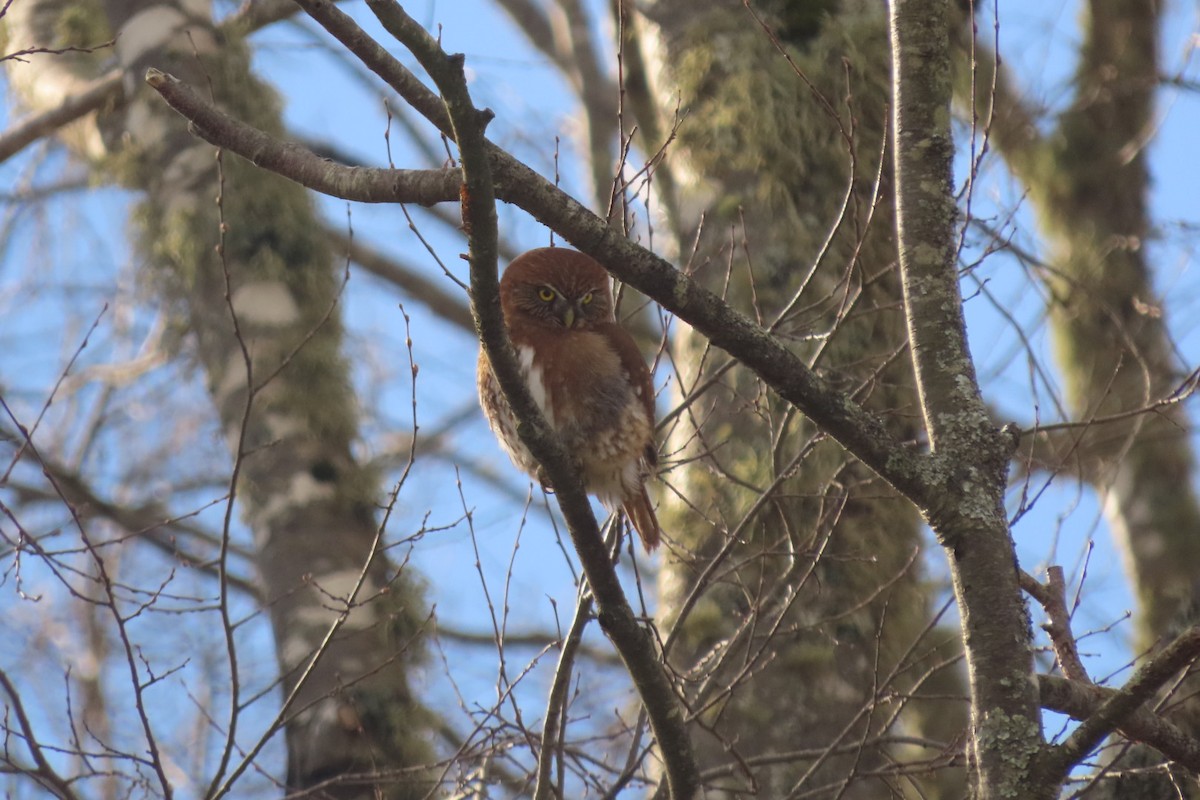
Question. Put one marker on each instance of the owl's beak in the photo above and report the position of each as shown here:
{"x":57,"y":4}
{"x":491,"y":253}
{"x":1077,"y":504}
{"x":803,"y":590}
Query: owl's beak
{"x":568,"y":317}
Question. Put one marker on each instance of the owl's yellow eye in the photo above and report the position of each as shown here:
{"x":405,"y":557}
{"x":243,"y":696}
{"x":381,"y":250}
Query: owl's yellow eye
{"x":545,"y":294}
{"x":587,"y":298}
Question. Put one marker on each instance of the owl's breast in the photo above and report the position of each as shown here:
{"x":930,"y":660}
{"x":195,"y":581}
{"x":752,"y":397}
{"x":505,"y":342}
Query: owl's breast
{"x":585,"y":393}
{"x":582,"y":383}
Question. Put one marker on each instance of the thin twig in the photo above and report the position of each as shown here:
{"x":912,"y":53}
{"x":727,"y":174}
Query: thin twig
{"x":553,"y":721}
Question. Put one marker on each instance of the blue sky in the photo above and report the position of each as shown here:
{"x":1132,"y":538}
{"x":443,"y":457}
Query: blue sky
{"x":1038,"y":41}
{"x":323,"y":101}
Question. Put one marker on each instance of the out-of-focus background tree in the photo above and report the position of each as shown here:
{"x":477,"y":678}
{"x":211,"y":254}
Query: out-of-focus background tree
{"x":257,"y":537}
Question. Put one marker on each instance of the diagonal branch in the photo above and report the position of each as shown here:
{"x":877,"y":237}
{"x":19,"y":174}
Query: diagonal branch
{"x":1119,"y":706}
{"x":109,"y":89}
{"x":554,"y":720}
{"x":450,"y":306}
{"x":860,"y":432}
{"x":45,"y":775}
{"x":96,"y":95}
{"x":633,"y":643}
{"x":563,"y":35}
{"x":150,"y":523}
{"x":1080,"y":702}
{"x":424,"y":187}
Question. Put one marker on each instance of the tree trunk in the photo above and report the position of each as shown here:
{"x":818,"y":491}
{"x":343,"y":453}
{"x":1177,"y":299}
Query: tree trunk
{"x":776,"y":525}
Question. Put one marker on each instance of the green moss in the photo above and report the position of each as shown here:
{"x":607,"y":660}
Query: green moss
{"x":799,"y":22}
{"x":1018,"y":740}
{"x":83,"y":25}
{"x":831,"y":533}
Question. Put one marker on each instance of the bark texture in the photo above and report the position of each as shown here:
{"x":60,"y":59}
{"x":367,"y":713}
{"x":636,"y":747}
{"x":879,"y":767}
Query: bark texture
{"x":1087,"y":178}
{"x":792,"y":591}
{"x":1089,"y":181}
{"x":971,"y":524}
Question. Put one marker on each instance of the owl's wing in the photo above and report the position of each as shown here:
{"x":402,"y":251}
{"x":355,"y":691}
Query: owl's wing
{"x":635,"y":367}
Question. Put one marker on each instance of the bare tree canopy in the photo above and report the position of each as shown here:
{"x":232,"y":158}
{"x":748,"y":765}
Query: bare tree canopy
{"x":915,"y":283}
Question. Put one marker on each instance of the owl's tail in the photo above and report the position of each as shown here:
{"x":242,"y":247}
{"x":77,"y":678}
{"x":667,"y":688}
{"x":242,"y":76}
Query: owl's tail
{"x":641,"y":514}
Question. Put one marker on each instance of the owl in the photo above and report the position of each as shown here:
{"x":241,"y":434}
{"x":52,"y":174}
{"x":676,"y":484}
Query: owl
{"x":586,"y":375}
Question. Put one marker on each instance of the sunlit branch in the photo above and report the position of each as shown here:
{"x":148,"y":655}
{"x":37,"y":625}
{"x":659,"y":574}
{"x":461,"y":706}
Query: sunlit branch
{"x":861,"y":432}
{"x":974,"y":533}
{"x":1113,"y":710}
{"x":632,"y":642}
{"x":25,"y":132}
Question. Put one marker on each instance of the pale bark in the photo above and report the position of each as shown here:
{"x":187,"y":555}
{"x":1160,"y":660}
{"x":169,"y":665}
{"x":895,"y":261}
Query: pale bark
{"x":775,"y":525}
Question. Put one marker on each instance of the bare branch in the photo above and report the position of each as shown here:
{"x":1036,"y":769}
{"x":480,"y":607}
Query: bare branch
{"x":564,"y":36}
{"x":1116,"y":708}
{"x":450,"y":306}
{"x":45,"y":773}
{"x":974,"y":533}
{"x":1080,"y":702}
{"x":1053,"y":598}
{"x":96,"y":95}
{"x":859,"y":431}
{"x":632,"y":642}
{"x":424,"y":187}
{"x":554,"y":720}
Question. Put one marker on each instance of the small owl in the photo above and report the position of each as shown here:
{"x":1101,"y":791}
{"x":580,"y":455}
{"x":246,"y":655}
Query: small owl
{"x":586,"y":375}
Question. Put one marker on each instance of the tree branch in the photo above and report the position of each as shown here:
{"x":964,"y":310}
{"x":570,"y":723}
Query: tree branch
{"x":1080,"y":702}
{"x":986,"y":87}
{"x":150,"y":522}
{"x":1117,"y":708}
{"x":568,"y":45}
{"x":972,"y":525}
{"x":450,"y":306}
{"x":859,"y":431}
{"x":424,"y":187}
{"x":44,"y":775}
{"x":635,"y":646}
{"x":1053,"y":598}
{"x":553,"y":722}
{"x":25,"y":132}
{"x":109,"y":89}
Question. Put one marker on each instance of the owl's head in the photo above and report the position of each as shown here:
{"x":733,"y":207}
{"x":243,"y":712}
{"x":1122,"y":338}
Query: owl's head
{"x":553,"y":287}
